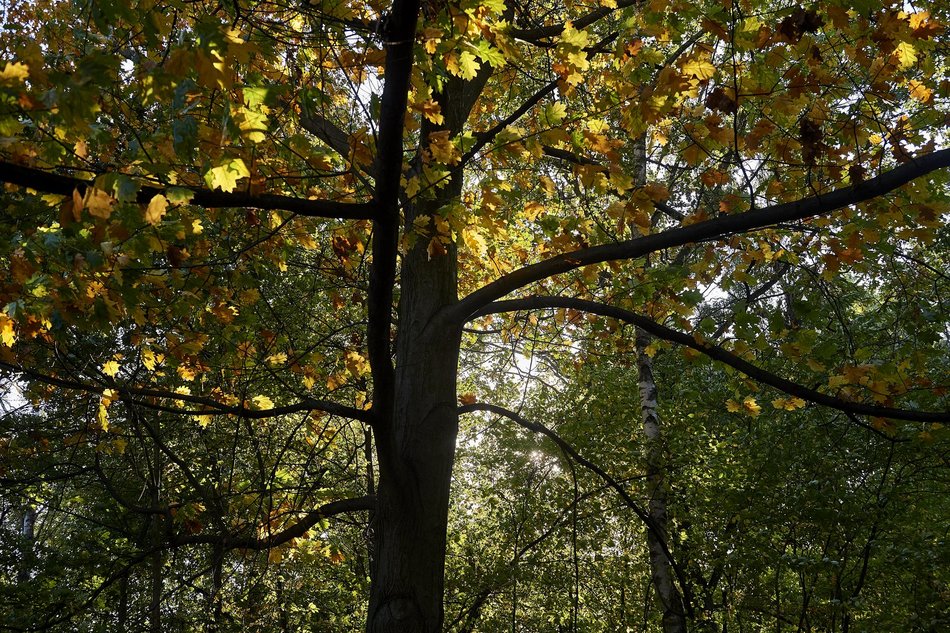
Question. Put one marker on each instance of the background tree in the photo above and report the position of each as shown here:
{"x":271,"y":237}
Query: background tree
{"x":254,"y":248}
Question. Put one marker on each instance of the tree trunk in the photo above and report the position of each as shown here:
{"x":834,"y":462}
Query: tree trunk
{"x":416,"y":452}
{"x":669,"y":598}
{"x":27,"y":538}
{"x":674,"y":619}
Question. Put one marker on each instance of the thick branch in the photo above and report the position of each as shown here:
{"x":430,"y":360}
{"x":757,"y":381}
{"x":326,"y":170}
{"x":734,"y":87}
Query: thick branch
{"x":213,"y":407}
{"x":399,"y":39}
{"x":716,"y":353}
{"x":703,"y":231}
{"x":297,"y":530}
{"x":327,"y":132}
{"x":48,"y":182}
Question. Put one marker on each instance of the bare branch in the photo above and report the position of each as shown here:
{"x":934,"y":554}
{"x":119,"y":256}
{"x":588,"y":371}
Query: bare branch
{"x":48,"y":182}
{"x":716,"y":353}
{"x":718,"y":227}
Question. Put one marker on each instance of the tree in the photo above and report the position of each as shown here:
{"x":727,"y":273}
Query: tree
{"x":234,"y":231}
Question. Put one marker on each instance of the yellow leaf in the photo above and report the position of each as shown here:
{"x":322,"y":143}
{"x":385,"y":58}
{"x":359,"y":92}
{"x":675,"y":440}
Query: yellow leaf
{"x":905,"y":54}
{"x":700,"y":68}
{"x":920,"y":92}
{"x":431,"y":111}
{"x":572,"y":37}
{"x":751,"y":407}
{"x":7,"y":333}
{"x":110,"y":368}
{"x":356,"y":364}
{"x":203,"y":420}
{"x":442,"y":148}
{"x":788,"y":404}
{"x":532,"y":210}
{"x":277,"y":359}
{"x":187,"y":372}
{"x":98,"y":202}
{"x":837,"y":381}
{"x":474,"y":240}
{"x":149,"y":359}
{"x":226,"y":174}
{"x":14,"y":73}
{"x":262,"y":402}
{"x":103,"y":417}
{"x":468,"y":65}
{"x":732,"y":406}
{"x":555,"y":113}
{"x":156,"y":209}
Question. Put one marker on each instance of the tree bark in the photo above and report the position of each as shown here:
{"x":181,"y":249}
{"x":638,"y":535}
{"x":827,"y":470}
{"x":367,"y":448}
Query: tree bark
{"x":415,"y":477}
{"x":27,"y":545}
{"x":661,"y":570}
{"x":416,"y":447}
{"x":668,"y":596}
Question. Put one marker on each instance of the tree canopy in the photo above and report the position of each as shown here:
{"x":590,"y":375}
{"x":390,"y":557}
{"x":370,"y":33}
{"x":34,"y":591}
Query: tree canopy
{"x":580,"y":315}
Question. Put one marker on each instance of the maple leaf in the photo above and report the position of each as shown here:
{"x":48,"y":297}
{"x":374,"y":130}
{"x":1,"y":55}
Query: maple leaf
{"x":225,"y":175}
{"x":187,"y":372}
{"x":102,"y":417}
{"x":110,"y":368}
{"x":150,"y":359}
{"x":7,"y":332}
{"x":277,"y":359}
{"x":356,"y":364}
{"x":156,"y":209}
{"x":751,"y":407}
{"x":555,"y":113}
{"x":98,"y":203}
{"x":467,"y":398}
{"x":262,"y":402}
{"x":14,"y":73}
{"x":572,"y":37}
{"x":798,"y":23}
{"x":788,"y":404}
